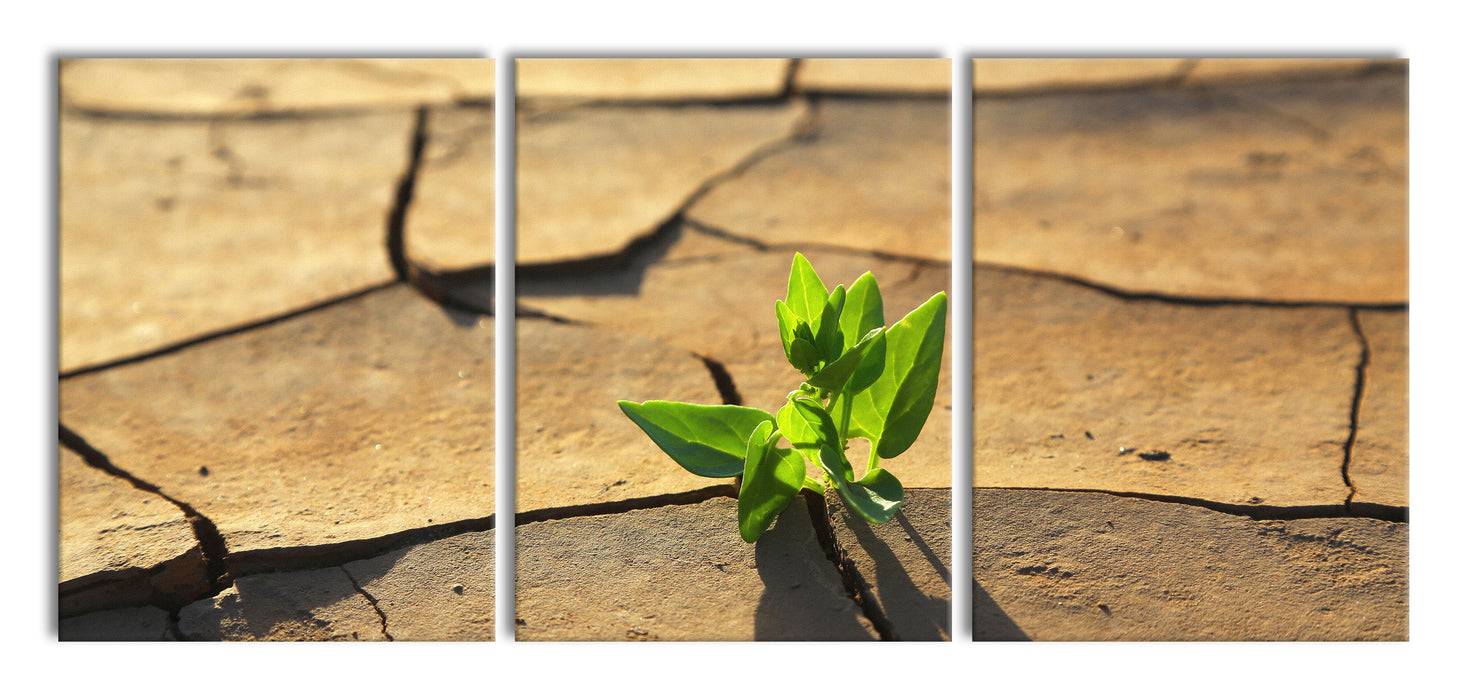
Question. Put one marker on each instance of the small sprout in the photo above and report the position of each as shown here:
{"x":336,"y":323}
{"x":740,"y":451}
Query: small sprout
{"x":863,"y":379}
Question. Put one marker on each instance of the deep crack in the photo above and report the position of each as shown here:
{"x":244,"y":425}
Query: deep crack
{"x":857,"y":588}
{"x":723,"y":381}
{"x":211,"y":544}
{"x":1374,"y":511}
{"x":626,"y":505}
{"x":370,"y":600}
{"x":1183,"y":299}
{"x":1359,"y":392}
{"x":397,"y":216}
{"x":338,"y":553}
{"x":222,"y":333}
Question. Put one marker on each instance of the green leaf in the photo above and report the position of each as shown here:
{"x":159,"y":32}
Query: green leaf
{"x":808,"y":427}
{"x":803,"y":355}
{"x":863,"y":308}
{"x":891,"y":412}
{"x":834,"y":375}
{"x":805,"y":294}
{"x":706,"y":440}
{"x":828,"y":332}
{"x":785,"y":319}
{"x":875,"y":497}
{"x":772,"y":476}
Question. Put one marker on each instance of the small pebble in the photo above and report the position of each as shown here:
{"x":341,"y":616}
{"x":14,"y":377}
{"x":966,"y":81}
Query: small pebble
{"x":459,"y":588}
{"x":203,"y":471}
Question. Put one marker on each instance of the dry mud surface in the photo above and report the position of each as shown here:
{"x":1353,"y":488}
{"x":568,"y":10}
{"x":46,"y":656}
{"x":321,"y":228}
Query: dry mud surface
{"x":1189,"y":383}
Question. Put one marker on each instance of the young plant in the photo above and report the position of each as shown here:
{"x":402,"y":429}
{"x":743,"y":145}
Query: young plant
{"x":863,"y":379}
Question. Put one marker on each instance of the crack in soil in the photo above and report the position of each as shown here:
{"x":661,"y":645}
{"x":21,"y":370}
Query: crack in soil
{"x":792,"y":69}
{"x":1356,"y":397}
{"x":627,"y":505}
{"x":370,"y":600}
{"x":1183,"y":299}
{"x":851,"y":579}
{"x":211,"y":544}
{"x":397,"y":215}
{"x":337,"y":553}
{"x":222,"y":333}
{"x":723,"y":380}
{"x":657,"y":240}
{"x":1373,"y":511}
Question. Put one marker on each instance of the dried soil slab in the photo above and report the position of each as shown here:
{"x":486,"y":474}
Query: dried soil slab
{"x":362,"y":420}
{"x":723,"y":307}
{"x":992,"y":75}
{"x":1252,"y":405}
{"x":436,"y":591}
{"x":1081,"y":566}
{"x":200,"y":87}
{"x":170,"y":230}
{"x":875,"y":177}
{"x":574,"y":446}
{"x":1378,"y":466}
{"x":679,"y":573}
{"x":905,"y":562}
{"x":882,"y":75}
{"x":120,"y":546}
{"x":144,"y":624}
{"x":1289,"y":193}
{"x":592,"y":180}
{"x":650,"y":79}
{"x":314,"y":605}
{"x":451,"y":223}
{"x":1227,"y":70}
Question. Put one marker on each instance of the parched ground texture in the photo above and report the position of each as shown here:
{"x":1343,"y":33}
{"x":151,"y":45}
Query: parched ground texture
{"x":1190,"y":350}
{"x":1189,"y":329}
{"x":276,"y":354}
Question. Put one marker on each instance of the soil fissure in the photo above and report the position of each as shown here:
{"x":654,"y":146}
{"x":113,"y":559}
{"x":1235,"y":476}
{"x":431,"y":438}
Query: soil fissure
{"x":1373,"y":511}
{"x":370,"y":601}
{"x":1356,"y":397}
{"x":851,"y":579}
{"x":211,"y":544}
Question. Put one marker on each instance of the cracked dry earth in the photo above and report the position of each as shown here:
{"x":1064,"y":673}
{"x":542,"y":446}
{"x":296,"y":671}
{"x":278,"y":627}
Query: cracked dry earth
{"x":276,"y":395}
{"x":1190,"y":351}
{"x":656,"y":226}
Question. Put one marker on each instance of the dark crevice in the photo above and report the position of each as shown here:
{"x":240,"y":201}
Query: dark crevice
{"x":856,"y":586}
{"x":708,"y":229}
{"x":726,"y":235}
{"x":613,"y":507}
{"x":1187,"y":300}
{"x":397,"y":217}
{"x":1356,"y":397}
{"x":1373,"y":511}
{"x":648,"y":248}
{"x":370,"y":601}
{"x":337,"y":553}
{"x":522,"y":311}
{"x":792,"y":70}
{"x":438,"y":287}
{"x":723,"y":381}
{"x":271,"y":116}
{"x":211,"y":544}
{"x":215,"y":335}
{"x":642,"y":250}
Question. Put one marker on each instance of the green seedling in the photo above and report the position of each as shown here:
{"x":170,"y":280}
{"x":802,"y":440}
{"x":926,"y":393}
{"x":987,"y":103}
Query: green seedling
{"x":863,"y":379}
